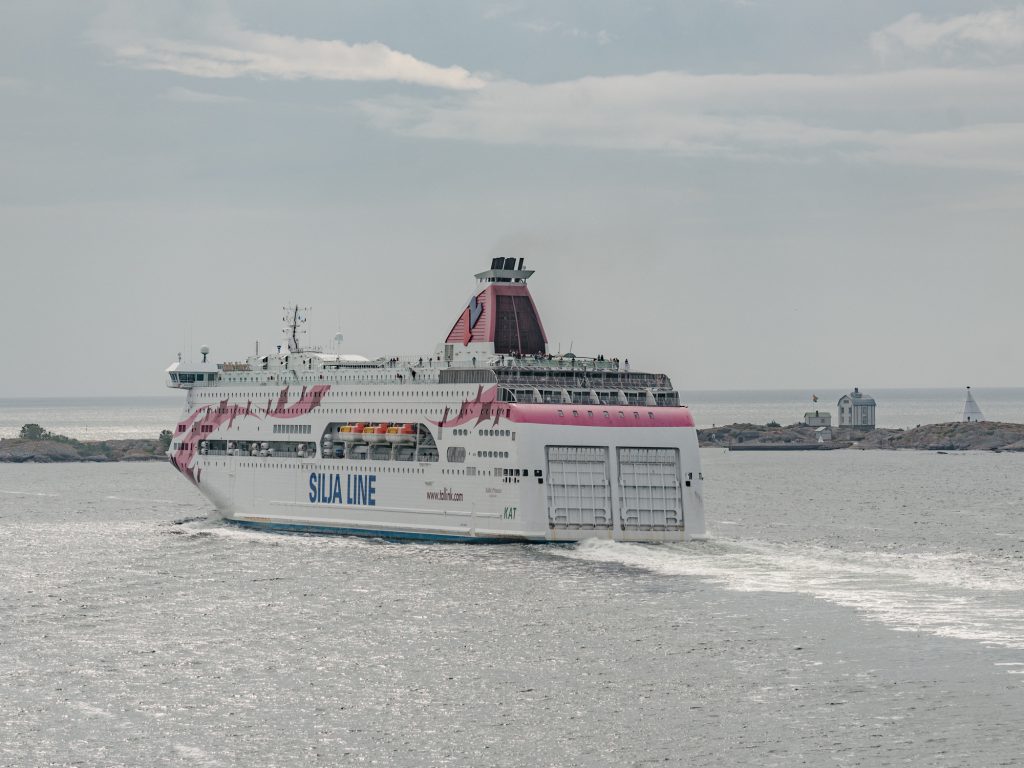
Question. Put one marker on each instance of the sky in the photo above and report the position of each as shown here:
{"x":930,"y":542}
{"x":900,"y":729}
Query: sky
{"x":741,"y":194}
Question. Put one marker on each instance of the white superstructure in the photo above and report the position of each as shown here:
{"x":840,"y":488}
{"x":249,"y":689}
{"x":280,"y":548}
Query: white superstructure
{"x":489,"y":438}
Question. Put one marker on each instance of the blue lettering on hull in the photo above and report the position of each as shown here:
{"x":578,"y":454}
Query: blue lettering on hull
{"x":354,"y":490}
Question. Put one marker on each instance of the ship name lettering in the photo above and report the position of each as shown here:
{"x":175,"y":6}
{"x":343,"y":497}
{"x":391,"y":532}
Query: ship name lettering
{"x":334,"y":488}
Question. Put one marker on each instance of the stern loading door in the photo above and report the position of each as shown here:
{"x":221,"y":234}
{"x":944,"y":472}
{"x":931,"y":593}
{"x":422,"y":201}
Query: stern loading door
{"x":650,"y":493}
{"x":579,"y":490}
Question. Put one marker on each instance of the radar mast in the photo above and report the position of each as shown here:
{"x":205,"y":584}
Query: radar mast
{"x":295,"y":317}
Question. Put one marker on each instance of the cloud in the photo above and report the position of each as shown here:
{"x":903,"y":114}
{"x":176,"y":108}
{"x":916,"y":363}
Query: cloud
{"x":227,"y":51}
{"x":601,"y":36}
{"x":993,"y":147}
{"x":998,"y":29}
{"x":944,"y":117}
{"x":188,"y":96}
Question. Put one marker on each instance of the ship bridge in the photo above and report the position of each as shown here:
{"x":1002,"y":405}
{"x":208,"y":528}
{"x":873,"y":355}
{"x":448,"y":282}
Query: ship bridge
{"x":182,"y":375}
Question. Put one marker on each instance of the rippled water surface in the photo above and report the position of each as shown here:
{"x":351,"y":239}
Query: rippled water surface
{"x":852,"y":608}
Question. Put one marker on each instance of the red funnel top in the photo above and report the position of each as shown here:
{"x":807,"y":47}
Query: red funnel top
{"x":502,"y":314}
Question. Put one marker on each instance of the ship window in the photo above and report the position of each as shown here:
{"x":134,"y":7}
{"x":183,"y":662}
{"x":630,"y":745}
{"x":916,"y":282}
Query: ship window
{"x":576,"y":414}
{"x":561,"y":412}
{"x":605,"y":414}
{"x":622,"y":415}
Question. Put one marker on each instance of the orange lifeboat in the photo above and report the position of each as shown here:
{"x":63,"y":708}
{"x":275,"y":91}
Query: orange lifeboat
{"x":351,"y":433}
{"x":377,"y":434}
{"x":406,"y":435}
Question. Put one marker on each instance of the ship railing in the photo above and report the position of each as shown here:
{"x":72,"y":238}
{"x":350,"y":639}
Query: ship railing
{"x":587,"y":380}
{"x":586,"y":397}
{"x":559,"y":362}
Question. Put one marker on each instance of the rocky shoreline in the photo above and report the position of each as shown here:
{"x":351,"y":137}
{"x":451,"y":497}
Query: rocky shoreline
{"x":16,"y":450}
{"x":951,"y":436}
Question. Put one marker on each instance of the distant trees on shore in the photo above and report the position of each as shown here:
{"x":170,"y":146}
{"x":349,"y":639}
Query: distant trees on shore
{"x":36,"y":432}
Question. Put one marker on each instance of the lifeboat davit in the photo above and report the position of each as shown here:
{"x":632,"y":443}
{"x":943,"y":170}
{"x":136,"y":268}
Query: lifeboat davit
{"x":376,"y":434}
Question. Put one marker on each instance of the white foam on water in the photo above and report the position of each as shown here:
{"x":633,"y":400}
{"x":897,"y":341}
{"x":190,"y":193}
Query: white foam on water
{"x":195,"y":755}
{"x":949,"y":595}
{"x":29,"y":493}
{"x":143,"y":501}
{"x":220,"y":529}
{"x":90,"y":710}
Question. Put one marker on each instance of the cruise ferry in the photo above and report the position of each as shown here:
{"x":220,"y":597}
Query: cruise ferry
{"x":489,"y":438}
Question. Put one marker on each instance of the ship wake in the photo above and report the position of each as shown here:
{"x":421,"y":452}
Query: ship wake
{"x":955,"y":595}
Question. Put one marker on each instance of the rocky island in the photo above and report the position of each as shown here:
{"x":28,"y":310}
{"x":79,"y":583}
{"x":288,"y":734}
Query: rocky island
{"x":35,"y":444}
{"x":951,"y":436}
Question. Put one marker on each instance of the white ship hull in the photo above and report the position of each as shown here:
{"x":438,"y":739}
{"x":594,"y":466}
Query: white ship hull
{"x":489,"y":439}
{"x":438,"y":500}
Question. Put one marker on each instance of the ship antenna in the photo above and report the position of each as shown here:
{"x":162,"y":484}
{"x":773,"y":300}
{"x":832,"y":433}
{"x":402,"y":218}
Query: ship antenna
{"x":295,"y":321}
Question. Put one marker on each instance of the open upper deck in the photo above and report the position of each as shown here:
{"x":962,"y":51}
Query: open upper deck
{"x":498,"y":339}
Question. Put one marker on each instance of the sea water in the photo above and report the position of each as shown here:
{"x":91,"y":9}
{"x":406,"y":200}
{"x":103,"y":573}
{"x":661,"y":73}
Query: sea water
{"x":851,"y":608}
{"x":93,"y":418}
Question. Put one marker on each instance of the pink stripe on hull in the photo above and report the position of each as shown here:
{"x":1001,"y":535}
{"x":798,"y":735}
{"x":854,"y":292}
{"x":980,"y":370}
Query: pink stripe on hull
{"x":632,"y":415}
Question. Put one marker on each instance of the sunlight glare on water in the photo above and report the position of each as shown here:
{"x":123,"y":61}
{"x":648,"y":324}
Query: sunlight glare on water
{"x":851,"y":608}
